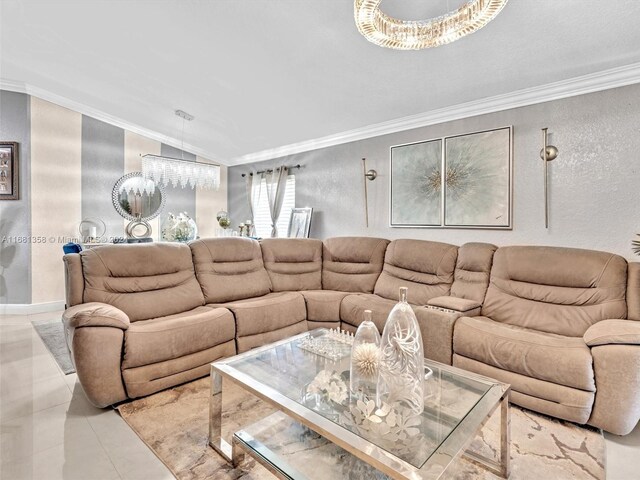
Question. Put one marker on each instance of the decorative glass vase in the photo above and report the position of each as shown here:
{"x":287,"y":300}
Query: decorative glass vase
{"x":179,"y":228}
{"x":401,"y":369}
{"x":365,"y":355}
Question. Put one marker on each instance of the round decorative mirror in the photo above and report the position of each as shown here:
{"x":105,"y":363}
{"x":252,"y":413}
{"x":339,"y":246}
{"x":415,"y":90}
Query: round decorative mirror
{"x":137,"y":198}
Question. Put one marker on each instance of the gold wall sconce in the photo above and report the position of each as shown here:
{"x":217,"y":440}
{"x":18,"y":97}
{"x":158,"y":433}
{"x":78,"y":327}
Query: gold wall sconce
{"x":547,"y":154}
{"x":370,"y":175}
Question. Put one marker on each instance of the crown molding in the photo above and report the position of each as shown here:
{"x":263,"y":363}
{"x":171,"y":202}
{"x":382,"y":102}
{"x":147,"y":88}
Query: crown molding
{"x":34,"y":91}
{"x":593,"y":82}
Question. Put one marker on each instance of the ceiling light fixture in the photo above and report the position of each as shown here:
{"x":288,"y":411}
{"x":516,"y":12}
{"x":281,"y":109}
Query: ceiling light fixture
{"x":386,"y":31}
{"x":179,"y":171}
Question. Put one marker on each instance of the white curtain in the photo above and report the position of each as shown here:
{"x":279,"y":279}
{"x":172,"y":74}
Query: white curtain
{"x":249,"y":186}
{"x":276,"y":185}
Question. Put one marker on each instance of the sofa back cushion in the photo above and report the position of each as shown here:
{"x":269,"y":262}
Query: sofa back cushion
{"x":293,"y":263}
{"x":556,"y":290}
{"x":352,"y":264}
{"x":144,"y":280}
{"x":473,"y":270}
{"x":229,"y":269}
{"x":633,"y":291}
{"x":425,"y":267}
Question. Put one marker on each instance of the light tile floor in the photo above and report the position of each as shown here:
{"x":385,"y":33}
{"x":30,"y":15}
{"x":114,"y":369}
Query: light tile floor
{"x":50,"y":431}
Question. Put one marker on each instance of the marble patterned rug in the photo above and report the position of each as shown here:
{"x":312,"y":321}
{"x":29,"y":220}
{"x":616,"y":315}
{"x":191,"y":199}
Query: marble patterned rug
{"x":174,"y":424}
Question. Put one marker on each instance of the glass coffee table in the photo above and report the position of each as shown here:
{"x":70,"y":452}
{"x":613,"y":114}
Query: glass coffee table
{"x":325,"y":435}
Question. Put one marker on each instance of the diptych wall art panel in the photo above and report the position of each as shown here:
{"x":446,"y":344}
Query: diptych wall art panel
{"x":415,"y":184}
{"x":477,"y":181}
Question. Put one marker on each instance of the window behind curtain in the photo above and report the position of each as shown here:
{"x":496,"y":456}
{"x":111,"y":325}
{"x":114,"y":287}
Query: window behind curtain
{"x":261,"y":214}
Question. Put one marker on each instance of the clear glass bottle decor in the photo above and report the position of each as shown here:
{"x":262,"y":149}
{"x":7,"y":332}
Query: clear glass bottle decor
{"x":365,"y":355}
{"x":401,"y":368}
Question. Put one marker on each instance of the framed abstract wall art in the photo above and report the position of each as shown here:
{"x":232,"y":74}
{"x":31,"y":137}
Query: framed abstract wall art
{"x":9,"y":171}
{"x":415,"y":184}
{"x":461,"y":181}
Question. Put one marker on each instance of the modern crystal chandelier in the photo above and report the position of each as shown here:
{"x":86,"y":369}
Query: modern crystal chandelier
{"x":386,"y":31}
{"x":179,"y":172}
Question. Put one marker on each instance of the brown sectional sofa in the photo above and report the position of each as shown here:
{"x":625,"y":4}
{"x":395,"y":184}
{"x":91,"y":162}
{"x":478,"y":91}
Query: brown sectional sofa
{"x":562,"y":326}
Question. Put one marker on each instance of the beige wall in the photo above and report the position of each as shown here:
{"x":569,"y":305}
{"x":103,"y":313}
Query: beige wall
{"x":55,"y":193}
{"x":134,"y":146}
{"x":210,"y":202}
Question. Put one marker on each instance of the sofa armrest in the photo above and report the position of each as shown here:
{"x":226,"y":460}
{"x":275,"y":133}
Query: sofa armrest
{"x":436,"y":327}
{"x":95,"y":337}
{"x":469,"y":308}
{"x":95,"y":314}
{"x":613,"y":332}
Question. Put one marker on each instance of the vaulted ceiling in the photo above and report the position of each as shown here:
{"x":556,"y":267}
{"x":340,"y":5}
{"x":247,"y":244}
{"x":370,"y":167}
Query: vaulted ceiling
{"x":259,"y":74}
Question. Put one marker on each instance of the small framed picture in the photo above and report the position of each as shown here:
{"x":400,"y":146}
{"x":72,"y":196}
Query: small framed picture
{"x":300,"y":222}
{"x":9,"y":171}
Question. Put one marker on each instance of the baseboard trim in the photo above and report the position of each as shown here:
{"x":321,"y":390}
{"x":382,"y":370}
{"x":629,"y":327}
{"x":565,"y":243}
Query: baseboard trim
{"x":31,"y":308}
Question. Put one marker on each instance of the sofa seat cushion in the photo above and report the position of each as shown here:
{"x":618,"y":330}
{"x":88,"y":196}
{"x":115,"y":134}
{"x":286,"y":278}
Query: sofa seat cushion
{"x":541,"y":396}
{"x":174,"y":336}
{"x":254,"y":341}
{"x":554,"y":358}
{"x":148,"y":379}
{"x":323,"y":305}
{"x":267,"y":313}
{"x":353,"y":306}
{"x":314,"y":325}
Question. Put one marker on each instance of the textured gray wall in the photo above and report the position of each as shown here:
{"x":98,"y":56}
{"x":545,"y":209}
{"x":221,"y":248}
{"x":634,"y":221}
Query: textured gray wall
{"x":595,"y":198}
{"x":102,"y":166}
{"x":15,"y":215}
{"x":178,"y":199}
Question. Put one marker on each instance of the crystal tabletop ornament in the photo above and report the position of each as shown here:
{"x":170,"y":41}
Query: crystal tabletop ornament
{"x":401,"y":368}
{"x":365,"y":354}
{"x":336,"y":344}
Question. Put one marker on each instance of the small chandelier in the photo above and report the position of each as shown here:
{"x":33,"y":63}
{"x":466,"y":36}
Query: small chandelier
{"x":178,"y":171}
{"x":385,"y":31}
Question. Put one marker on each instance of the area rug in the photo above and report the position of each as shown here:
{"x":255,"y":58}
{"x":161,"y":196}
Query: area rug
{"x":174,"y":424}
{"x":52,"y":334}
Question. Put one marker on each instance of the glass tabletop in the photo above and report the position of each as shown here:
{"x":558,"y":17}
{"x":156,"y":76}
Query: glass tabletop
{"x":321,"y":384}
